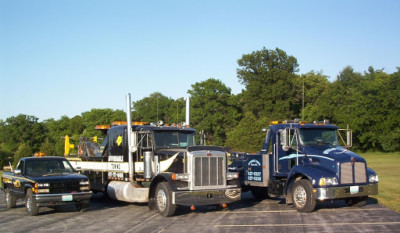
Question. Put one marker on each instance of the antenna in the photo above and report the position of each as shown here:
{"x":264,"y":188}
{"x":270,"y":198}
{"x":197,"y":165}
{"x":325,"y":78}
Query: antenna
{"x":302,"y":115}
{"x":157,"y":108}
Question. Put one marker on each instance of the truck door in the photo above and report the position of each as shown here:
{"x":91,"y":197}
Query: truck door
{"x":285,"y":149}
{"x":17,"y":181}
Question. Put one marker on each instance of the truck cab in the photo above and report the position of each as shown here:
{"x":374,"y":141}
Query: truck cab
{"x":305,"y":163}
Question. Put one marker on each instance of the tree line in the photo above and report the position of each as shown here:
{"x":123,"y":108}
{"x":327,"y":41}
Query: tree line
{"x":369,"y":103}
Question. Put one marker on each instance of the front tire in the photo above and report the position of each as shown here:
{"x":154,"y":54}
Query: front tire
{"x":11,"y":201}
{"x":163,"y":198}
{"x":32,"y":208}
{"x":302,"y":195}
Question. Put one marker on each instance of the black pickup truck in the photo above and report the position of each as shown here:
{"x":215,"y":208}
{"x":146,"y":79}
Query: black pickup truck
{"x":46,"y":181}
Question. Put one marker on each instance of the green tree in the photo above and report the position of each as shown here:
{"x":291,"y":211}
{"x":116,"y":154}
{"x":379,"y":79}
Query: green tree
{"x":375,"y":114}
{"x":57,"y":129}
{"x":213,"y":110}
{"x":248,"y":135}
{"x":22,"y":129}
{"x":98,"y":117}
{"x":24,"y":150}
{"x":309,"y":86}
{"x":368,"y":103}
{"x":159,"y":107}
{"x":268,"y":77}
{"x":48,"y":148}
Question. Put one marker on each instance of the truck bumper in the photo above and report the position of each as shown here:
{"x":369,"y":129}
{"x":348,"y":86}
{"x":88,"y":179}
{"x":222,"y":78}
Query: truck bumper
{"x":206,"y":197}
{"x":62,"y":198}
{"x":345,"y":192}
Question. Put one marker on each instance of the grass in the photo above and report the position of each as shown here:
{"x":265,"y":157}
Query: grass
{"x":387,"y":166}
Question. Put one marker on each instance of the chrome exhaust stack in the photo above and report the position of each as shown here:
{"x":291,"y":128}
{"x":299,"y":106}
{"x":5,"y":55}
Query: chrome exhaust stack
{"x":187,"y":121}
{"x":129,"y":133}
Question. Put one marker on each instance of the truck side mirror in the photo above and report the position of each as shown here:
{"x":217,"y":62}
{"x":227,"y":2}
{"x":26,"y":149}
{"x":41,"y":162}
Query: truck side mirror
{"x":17,"y":171}
{"x":348,"y":140}
{"x":284,"y":138}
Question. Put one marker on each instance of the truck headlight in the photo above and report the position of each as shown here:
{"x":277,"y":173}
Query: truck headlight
{"x":327,"y":181}
{"x":180,"y":176}
{"x":84,"y":182}
{"x":41,"y":185}
{"x":232,"y":175}
{"x":373,"y":178}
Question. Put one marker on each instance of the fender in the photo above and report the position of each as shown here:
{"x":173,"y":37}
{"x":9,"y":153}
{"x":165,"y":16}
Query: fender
{"x":162,"y":177}
{"x":166,"y":177}
{"x":370,"y":172}
{"x":308,"y":172}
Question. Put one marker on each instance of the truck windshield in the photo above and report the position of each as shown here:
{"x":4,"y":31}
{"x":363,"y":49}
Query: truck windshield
{"x":42,"y":167}
{"x":173,"y":139}
{"x":312,"y":137}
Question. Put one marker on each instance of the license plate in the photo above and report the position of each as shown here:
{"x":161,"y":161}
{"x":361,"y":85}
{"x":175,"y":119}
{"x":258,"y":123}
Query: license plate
{"x":66,"y":198}
{"x":354,"y":189}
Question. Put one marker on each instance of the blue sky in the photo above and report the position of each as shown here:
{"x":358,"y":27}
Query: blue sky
{"x":67,"y":57}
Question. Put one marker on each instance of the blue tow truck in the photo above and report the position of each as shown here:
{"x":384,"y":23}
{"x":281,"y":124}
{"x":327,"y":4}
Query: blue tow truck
{"x":304,"y":163}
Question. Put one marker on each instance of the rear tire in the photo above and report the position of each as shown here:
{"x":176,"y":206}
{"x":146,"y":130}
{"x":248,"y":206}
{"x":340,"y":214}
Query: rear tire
{"x":357,"y":201}
{"x":163,"y":200}
{"x":259,"y":192}
{"x":11,"y":201}
{"x":302,"y":195}
{"x":32,"y":208}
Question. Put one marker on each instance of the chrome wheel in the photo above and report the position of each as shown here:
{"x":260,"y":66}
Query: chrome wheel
{"x":163,"y":196}
{"x":10,"y":200}
{"x":300,"y":196}
{"x":8,"y":197}
{"x":161,"y":200}
{"x":32,"y":208}
{"x":29,"y":204}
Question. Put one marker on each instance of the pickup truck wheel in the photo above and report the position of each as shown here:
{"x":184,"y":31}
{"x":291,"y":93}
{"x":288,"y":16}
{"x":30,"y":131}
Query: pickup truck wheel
{"x":11,"y":201}
{"x":163,"y":197}
{"x":303,"y":198}
{"x":259,"y":192}
{"x":82,"y":207}
{"x":357,"y":201}
{"x":32,"y":207}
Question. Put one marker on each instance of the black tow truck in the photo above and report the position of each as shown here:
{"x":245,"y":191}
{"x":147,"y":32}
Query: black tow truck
{"x":45,"y":181}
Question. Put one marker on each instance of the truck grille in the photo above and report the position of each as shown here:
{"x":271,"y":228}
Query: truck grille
{"x":65,"y":186}
{"x":347,"y":176}
{"x":209,"y":171}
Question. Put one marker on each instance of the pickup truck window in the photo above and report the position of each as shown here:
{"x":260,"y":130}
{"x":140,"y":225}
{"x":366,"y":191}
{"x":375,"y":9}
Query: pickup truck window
{"x":47,"y":167}
{"x":313,"y":137}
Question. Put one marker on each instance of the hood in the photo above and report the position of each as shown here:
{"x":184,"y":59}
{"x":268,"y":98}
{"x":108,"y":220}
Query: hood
{"x":331,"y":153}
{"x":327,"y":158}
{"x":58,"y":177}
